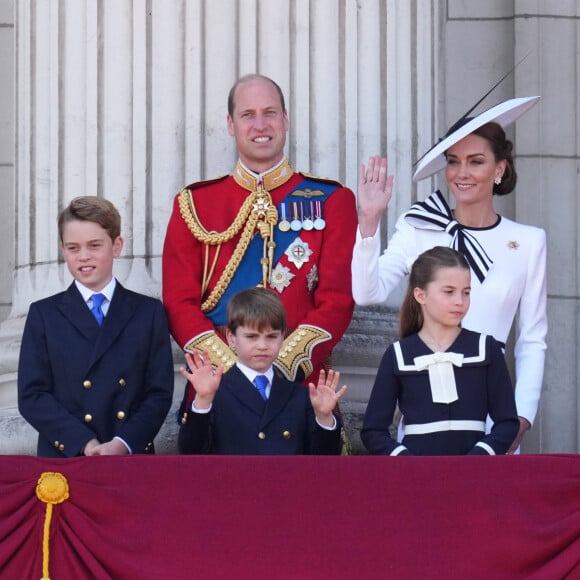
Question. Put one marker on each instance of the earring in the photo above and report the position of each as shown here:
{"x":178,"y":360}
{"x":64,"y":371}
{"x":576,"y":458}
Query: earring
{"x":497,"y":180}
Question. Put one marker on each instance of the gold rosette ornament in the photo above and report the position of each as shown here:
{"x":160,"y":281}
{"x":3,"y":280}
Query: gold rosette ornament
{"x":52,"y":489}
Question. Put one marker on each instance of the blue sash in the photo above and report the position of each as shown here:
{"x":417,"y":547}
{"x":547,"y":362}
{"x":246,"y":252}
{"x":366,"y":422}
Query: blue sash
{"x":249,"y":272}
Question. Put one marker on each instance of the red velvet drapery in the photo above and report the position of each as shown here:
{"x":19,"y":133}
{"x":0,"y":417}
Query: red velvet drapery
{"x":295,"y":517}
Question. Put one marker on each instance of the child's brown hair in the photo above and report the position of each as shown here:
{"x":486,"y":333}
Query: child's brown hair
{"x":90,"y":208}
{"x":422,"y":272}
{"x":257,"y":308}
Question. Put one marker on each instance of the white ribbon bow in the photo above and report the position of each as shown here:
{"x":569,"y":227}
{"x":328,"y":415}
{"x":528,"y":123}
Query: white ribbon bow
{"x":441,"y":375}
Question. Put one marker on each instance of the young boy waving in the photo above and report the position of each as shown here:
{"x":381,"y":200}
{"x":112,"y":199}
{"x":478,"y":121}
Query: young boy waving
{"x":250,"y":410}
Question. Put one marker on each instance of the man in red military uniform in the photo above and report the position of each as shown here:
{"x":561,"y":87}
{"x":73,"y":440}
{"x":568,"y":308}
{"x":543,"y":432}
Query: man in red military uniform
{"x":264,"y":225}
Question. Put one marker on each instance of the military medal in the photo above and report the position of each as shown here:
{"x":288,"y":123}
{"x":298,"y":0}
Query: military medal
{"x":284,"y":224}
{"x":298,"y":252}
{"x":296,"y":223}
{"x":307,"y":223}
{"x":319,"y":223}
{"x":281,"y":277}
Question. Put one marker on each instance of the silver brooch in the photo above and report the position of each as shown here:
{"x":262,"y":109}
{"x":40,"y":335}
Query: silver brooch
{"x":312,"y":279}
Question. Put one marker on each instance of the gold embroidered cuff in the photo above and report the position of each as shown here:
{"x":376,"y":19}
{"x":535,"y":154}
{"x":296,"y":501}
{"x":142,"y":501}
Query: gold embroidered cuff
{"x":296,"y":350}
{"x":219,"y":352}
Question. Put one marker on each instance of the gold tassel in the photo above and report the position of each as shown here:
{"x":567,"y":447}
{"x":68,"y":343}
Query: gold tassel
{"x":52,"y":489}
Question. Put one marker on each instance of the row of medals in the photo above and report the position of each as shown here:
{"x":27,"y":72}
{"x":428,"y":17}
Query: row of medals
{"x":296,"y":224}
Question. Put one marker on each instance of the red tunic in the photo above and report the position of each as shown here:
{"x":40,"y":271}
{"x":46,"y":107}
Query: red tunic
{"x":328,"y":305}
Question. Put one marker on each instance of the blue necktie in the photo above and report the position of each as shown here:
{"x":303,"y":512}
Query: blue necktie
{"x":96,"y":309}
{"x":261,"y":382}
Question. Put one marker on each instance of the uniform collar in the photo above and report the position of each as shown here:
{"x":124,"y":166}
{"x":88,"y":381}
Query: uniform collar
{"x":268,"y":180}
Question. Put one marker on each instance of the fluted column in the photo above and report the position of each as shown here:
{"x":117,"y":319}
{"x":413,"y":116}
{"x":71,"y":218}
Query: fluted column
{"x":126,"y":99}
{"x":83,"y":127}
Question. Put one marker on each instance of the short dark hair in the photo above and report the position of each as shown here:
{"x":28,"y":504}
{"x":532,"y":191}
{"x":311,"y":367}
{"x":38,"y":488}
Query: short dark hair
{"x":258,"y":308}
{"x":90,"y":208}
{"x":253,"y":77}
{"x":422,"y":272}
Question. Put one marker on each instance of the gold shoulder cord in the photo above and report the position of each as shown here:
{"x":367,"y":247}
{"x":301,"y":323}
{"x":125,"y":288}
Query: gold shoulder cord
{"x":257,"y":211}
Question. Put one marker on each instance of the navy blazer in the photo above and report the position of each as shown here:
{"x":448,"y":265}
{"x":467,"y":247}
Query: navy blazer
{"x":78,"y":380}
{"x":242,"y":423}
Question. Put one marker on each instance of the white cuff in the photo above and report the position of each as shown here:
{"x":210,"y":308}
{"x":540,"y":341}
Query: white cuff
{"x":327,"y":428}
{"x":194,"y":409}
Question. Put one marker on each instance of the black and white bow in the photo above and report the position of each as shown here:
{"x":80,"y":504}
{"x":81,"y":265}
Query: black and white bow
{"x":435,"y":214}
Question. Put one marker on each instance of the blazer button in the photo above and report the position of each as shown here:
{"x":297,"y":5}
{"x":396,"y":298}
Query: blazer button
{"x":56,"y":444}
{"x":286,"y":435}
{"x":261,"y":435}
{"x":120,"y":415}
{"x":88,"y":418}
{"x":87,"y":384}
{"x":122,"y":382}
{"x":61,"y":447}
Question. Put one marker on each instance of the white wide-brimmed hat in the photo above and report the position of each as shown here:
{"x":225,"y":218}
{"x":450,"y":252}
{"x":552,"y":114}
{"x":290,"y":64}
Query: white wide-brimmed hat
{"x":503,"y":114}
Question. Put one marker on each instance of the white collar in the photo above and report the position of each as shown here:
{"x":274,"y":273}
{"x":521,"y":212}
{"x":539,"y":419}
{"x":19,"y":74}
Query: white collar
{"x":107,"y":291}
{"x":251,"y":374}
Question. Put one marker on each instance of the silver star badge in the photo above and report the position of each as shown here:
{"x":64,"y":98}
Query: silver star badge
{"x":280,"y":277}
{"x":298,"y":252}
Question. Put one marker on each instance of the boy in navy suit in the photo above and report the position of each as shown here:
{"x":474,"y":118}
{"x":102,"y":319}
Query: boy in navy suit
{"x":95,"y":374}
{"x":241,"y":412}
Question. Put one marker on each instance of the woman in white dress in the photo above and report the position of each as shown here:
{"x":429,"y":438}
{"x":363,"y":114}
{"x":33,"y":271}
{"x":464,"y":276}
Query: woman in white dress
{"x":507,"y":259}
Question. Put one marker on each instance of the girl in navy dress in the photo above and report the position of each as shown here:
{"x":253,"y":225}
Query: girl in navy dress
{"x":444,"y":378}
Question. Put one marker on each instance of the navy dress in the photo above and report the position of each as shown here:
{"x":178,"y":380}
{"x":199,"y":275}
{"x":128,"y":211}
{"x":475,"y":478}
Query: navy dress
{"x":457,"y":428}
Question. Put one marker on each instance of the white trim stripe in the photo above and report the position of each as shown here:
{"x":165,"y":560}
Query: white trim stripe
{"x":440,"y":426}
{"x":486,"y":447}
{"x":398,"y":450}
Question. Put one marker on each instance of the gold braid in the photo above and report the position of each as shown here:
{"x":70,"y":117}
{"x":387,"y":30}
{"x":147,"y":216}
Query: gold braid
{"x":248,"y":216}
{"x":189,"y":214}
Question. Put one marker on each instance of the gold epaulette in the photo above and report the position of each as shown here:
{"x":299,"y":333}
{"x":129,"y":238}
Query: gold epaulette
{"x":321,"y":179}
{"x":296,"y":350}
{"x":219,"y":352}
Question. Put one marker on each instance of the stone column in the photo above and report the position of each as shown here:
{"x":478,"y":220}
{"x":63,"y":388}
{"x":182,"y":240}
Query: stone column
{"x":83,"y":128}
{"x":126,"y":99}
